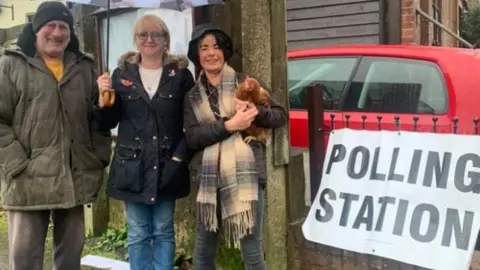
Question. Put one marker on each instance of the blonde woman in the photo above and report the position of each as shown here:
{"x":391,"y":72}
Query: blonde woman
{"x":149,"y":169}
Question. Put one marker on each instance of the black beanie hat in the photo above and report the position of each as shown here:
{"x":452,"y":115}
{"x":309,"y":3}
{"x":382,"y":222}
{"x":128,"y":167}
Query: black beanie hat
{"x":50,"y":11}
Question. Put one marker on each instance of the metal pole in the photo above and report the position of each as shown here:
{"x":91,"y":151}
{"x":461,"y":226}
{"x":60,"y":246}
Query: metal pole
{"x":107,"y":43}
{"x":316,"y":136}
{"x":431,"y":19}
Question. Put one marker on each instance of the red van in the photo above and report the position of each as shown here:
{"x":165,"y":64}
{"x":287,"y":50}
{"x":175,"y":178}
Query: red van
{"x":419,"y":85}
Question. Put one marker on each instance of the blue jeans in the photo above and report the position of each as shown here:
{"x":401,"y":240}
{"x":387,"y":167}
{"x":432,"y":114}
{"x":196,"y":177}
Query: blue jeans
{"x":151,"y":235}
{"x":250,"y":246}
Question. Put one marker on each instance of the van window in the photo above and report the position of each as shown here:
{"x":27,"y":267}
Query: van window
{"x":331,"y":73}
{"x":393,"y":85}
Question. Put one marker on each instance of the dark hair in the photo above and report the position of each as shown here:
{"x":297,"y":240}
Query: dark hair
{"x":223,"y":42}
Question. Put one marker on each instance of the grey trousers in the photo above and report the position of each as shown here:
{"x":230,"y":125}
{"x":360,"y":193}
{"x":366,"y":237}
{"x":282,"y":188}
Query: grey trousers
{"x":27,"y":231}
{"x":250,"y":246}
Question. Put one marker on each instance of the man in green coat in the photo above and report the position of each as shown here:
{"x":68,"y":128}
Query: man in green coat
{"x":52,"y":153}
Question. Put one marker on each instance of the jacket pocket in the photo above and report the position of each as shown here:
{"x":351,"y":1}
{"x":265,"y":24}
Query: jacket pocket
{"x":133,"y":105}
{"x":175,"y":179}
{"x":45,"y":162}
{"x":170,"y":103}
{"x":128,"y":169}
{"x":19,"y":169}
{"x":22,"y":168}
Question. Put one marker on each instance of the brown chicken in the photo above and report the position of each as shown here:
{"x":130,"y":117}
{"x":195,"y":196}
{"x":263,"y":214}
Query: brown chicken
{"x":251,"y":91}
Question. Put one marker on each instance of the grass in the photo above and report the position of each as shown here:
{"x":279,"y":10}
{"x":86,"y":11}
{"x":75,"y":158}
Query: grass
{"x":230,"y":259}
{"x":112,"y":244}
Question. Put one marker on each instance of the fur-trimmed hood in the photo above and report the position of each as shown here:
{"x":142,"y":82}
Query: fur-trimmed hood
{"x":133,"y":57}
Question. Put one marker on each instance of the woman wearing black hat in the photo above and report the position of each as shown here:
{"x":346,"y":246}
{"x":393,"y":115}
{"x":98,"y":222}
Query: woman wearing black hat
{"x":230,"y":172}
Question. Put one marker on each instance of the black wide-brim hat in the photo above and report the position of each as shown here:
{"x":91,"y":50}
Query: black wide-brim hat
{"x":199,"y":32}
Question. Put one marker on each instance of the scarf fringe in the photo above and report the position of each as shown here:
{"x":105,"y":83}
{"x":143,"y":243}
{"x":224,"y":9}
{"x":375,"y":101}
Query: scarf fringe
{"x":208,"y":216}
{"x":235,"y":227}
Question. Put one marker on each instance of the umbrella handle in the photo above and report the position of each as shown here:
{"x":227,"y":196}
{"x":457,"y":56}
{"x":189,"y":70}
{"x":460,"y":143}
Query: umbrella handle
{"x":108,"y":96}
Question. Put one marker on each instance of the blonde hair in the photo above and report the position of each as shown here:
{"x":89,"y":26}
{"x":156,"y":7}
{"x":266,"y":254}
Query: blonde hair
{"x":152,"y":20}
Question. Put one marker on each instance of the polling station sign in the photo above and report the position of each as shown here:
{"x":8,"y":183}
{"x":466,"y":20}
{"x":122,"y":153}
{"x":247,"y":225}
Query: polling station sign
{"x":408,"y":196}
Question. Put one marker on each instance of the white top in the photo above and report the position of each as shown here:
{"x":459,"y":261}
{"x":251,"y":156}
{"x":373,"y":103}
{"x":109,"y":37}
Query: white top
{"x":150,"y":79}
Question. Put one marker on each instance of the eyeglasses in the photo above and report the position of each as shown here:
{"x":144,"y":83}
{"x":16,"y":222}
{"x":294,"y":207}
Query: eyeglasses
{"x":153,"y":35}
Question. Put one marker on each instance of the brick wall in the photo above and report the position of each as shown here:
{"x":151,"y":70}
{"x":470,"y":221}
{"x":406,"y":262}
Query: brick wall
{"x":418,"y":30}
{"x":408,"y":22}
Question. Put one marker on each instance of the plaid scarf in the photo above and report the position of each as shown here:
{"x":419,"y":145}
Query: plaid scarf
{"x":228,"y":167}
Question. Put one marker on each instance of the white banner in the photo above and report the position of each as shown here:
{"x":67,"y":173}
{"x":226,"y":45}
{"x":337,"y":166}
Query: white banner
{"x":411,"y":197}
{"x":169,"y":4}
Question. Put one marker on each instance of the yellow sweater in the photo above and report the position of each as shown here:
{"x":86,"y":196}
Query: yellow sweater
{"x":56,"y":67}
